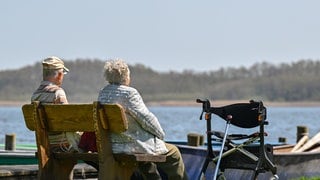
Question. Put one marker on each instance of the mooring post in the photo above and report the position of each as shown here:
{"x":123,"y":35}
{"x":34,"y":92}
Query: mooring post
{"x":302,"y":131}
{"x":282,"y":140}
{"x":193,"y":139}
{"x":10,"y":142}
{"x":201,"y":143}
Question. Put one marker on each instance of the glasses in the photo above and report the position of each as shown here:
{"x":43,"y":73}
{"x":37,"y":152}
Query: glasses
{"x":63,"y":71}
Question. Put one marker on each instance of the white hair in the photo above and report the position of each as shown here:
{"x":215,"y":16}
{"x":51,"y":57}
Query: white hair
{"x":116,"y":71}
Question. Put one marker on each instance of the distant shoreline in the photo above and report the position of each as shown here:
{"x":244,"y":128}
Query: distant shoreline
{"x":227,"y":102}
{"x":193,"y":103}
{"x":12,"y":103}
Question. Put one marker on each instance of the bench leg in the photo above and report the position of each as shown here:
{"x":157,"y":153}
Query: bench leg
{"x":107,"y":168}
{"x":124,"y":171}
{"x":148,"y":170}
{"x":110,"y":169}
{"x":57,"y":169}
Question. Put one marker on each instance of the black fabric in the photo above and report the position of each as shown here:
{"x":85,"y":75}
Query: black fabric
{"x":244,"y":115}
{"x":220,"y":135}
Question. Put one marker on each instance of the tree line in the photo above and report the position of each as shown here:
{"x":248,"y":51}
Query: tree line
{"x":297,"y":81}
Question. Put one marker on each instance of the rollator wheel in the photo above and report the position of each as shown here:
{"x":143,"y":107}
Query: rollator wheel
{"x":275,"y":177}
{"x":202,"y":177}
{"x":221,"y":176}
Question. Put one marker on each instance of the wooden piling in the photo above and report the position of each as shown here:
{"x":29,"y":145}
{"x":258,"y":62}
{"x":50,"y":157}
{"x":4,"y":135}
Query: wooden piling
{"x":282,"y":140}
{"x":301,"y":132}
{"x":193,"y":139}
{"x":201,"y":143}
{"x":10,"y":142}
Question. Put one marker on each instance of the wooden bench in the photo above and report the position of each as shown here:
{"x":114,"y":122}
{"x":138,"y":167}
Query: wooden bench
{"x":99,"y":118}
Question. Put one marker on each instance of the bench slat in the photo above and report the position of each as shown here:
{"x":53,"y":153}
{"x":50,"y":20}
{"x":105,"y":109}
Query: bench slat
{"x":150,"y":158}
{"x":69,"y":117}
{"x":113,"y":118}
{"x":139,"y":157}
{"x":78,"y":156}
{"x":27,"y":110}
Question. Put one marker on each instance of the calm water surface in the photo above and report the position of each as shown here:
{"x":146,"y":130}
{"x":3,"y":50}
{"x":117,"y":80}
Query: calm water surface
{"x":179,"y":121}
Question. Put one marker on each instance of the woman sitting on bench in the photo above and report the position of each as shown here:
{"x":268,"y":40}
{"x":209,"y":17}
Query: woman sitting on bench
{"x":144,"y":134}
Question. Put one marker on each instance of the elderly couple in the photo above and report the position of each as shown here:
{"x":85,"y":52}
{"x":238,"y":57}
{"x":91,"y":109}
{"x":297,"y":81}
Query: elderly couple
{"x":144,"y":135}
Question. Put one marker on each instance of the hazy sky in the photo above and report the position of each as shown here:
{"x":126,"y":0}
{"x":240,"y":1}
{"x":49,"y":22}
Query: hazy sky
{"x":161,"y":34}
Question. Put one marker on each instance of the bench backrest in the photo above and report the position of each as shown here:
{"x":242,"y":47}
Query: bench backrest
{"x":96,"y":117}
{"x":75,"y":117}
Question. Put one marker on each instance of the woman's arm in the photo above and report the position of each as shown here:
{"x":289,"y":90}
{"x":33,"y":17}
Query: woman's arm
{"x":143,"y":116}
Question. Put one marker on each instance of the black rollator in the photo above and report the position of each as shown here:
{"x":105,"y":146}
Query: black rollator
{"x":251,"y":154}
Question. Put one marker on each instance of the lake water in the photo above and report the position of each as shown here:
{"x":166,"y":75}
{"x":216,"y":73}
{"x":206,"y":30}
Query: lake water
{"x":179,"y":121}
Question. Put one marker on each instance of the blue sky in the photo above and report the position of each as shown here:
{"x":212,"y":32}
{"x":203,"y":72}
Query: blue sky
{"x":161,"y":34}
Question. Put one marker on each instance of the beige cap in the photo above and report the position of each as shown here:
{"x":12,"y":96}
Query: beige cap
{"x":54,"y":63}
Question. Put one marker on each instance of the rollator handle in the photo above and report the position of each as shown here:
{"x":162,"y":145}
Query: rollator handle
{"x":205,"y":106}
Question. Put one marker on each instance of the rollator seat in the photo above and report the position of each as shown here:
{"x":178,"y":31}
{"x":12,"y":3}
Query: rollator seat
{"x":231,"y":137}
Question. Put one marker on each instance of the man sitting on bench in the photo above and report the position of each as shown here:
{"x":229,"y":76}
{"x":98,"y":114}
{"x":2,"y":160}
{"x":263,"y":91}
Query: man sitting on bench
{"x":50,"y":91}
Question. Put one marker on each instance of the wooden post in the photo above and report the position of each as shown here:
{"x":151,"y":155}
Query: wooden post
{"x":201,"y":140}
{"x":10,"y":142}
{"x":282,"y":140}
{"x":193,"y":139}
{"x":302,"y":131}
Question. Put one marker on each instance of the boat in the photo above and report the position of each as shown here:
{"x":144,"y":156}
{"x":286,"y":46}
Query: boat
{"x":296,"y":164}
{"x":18,"y":157}
{"x":289,"y":165}
{"x":23,"y":154}
{"x":22,"y":163}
